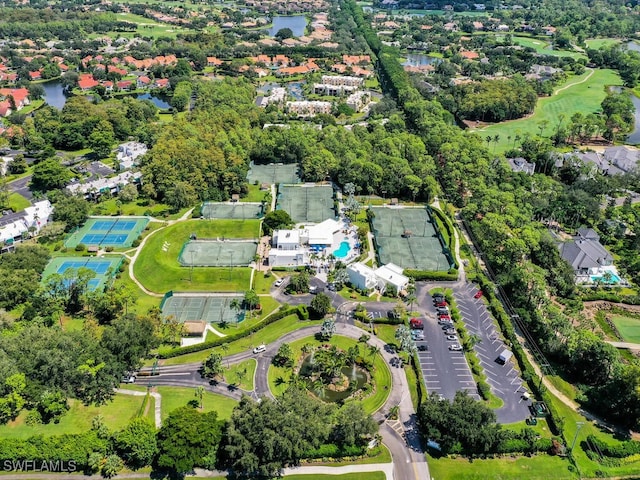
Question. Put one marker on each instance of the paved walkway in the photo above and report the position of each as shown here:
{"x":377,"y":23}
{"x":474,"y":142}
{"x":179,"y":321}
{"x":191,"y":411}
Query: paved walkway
{"x":156,"y":396}
{"x":627,"y":345}
{"x":387,"y":468}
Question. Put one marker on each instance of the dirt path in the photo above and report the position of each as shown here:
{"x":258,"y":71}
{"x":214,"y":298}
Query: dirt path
{"x":591,"y":71}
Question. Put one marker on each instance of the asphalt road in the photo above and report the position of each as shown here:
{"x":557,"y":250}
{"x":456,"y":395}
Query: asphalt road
{"x":504,"y":380}
{"x":21,"y":186}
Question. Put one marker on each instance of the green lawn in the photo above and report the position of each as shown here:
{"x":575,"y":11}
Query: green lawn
{"x":78,"y":419}
{"x":582,"y":97}
{"x":143,"y":301}
{"x":279,"y":377}
{"x":268,"y":334}
{"x":17,"y":202}
{"x":346,"y":476}
{"x":262,"y":284}
{"x":597,"y":43}
{"x":254,"y":194}
{"x":249,"y":366}
{"x":540,"y":467}
{"x":176,"y":397}
{"x":543,"y":47}
{"x":629,"y":327}
{"x":158,"y":269}
{"x":137,"y":207}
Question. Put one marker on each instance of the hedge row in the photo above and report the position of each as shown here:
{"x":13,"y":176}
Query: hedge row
{"x":592,"y":296}
{"x":520,"y":445}
{"x":176,"y":352}
{"x":419,"y":275}
{"x":621,"y":450}
{"x":334,"y":451}
{"x":387,"y":321}
{"x":72,"y":450}
{"x":288,"y":269}
{"x":447,"y":226}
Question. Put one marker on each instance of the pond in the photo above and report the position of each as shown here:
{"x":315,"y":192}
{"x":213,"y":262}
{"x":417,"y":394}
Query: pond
{"x":297,"y":24}
{"x":419,"y":59}
{"x":634,"y":46}
{"x":356,"y":376}
{"x":634,"y":137}
{"x":55,"y":96}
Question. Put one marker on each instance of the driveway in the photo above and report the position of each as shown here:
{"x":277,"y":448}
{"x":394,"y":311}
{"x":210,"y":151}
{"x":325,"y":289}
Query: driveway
{"x":21,"y":186}
{"x":504,"y":380}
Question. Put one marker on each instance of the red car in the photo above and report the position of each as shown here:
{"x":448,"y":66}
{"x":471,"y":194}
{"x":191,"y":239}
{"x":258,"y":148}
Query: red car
{"x":444,"y":317}
{"x":478,"y":294}
{"x":441,"y":303}
{"x":416,"y":324}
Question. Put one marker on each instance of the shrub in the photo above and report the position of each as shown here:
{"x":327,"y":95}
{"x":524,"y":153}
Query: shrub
{"x":109,"y":248}
{"x":419,"y":275}
{"x":81,"y":247}
{"x":136,"y":243}
{"x":483,"y":390}
{"x":303,"y":312}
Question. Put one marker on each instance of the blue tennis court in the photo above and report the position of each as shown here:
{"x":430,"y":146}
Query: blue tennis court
{"x":105,"y":268}
{"x":108,"y":232}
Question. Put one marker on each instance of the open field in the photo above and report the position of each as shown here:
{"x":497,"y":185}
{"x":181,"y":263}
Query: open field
{"x":268,"y":334}
{"x":582,"y":94}
{"x":539,"y":467}
{"x":278,"y":377}
{"x":78,"y":419}
{"x":543,"y":47}
{"x":629,"y":327}
{"x":176,"y":397}
{"x":597,"y":43}
{"x":160,"y":254}
{"x":17,"y":202}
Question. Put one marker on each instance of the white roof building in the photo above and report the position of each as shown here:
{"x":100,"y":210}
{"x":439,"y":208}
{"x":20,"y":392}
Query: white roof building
{"x":286,"y":239}
{"x":128,"y":153}
{"x":34,"y":217}
{"x":96,"y":188}
{"x":322,"y":233}
{"x":388,"y":277}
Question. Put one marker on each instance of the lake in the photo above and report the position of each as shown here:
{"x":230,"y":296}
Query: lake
{"x":54,"y":95}
{"x":635,"y":46}
{"x":297,"y":24}
{"x":418,"y":60}
{"x":634,"y":137}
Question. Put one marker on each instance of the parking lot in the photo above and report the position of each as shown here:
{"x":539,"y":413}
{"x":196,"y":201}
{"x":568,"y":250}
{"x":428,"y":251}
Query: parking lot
{"x":444,"y":371}
{"x":504,"y":380}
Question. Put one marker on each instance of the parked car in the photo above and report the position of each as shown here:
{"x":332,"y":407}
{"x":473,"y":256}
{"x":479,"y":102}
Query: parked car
{"x":416,"y":324}
{"x":443,"y":316}
{"x":441,"y":303}
{"x":128,"y":378}
{"x":452,"y":338}
{"x":447,"y":322}
{"x":456,"y":347}
{"x":422,"y":348}
{"x":438,"y":296}
{"x":260,"y":349}
{"x":417,"y":335}
{"x":478,"y":294}
{"x":442,"y":311}
{"x":450,"y":331}
{"x":278,"y":282}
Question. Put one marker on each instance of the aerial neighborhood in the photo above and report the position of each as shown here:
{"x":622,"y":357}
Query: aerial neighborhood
{"x":392,"y":239}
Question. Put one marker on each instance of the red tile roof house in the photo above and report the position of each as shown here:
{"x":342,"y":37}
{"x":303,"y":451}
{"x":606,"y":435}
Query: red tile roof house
{"x":143,"y":81}
{"x":5,"y":108}
{"x":125,"y":84}
{"x":37,"y":75}
{"x":162,"y":83}
{"x":213,"y":62}
{"x":87,"y":82}
{"x":108,"y":85}
{"x":20,"y":96}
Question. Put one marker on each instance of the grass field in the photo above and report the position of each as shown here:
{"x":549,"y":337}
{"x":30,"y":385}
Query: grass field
{"x":543,"y":47}
{"x":268,"y":334}
{"x":249,"y":366}
{"x":540,"y":467}
{"x":597,"y":43}
{"x":137,"y":207}
{"x":78,"y":419}
{"x":346,"y":476}
{"x":176,"y":397}
{"x":158,"y":269}
{"x":381,"y":372}
{"x":582,"y":94}
{"x":17,"y":202}
{"x":629,"y":327}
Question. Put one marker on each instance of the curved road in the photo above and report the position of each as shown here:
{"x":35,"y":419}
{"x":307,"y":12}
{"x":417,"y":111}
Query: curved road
{"x":408,"y":462}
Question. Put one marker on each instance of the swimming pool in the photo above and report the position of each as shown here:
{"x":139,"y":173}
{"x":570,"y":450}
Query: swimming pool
{"x":342,"y":251}
{"x":613,"y":278}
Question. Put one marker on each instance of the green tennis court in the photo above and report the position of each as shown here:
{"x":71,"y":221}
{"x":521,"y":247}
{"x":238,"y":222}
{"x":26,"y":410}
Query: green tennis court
{"x":212,"y":308}
{"x":218,"y":253}
{"x":105,"y":268}
{"x":235,"y":210}
{"x":408,"y":238}
{"x":307,"y":203}
{"x":108,"y":232}
{"x":273,"y":173}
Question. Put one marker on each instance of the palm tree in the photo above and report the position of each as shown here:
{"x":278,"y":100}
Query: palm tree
{"x":373,"y":350}
{"x":241,"y":374}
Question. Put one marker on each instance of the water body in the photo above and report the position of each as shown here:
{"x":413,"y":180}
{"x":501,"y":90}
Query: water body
{"x":357,"y":379}
{"x":634,"y":137}
{"x":635,"y":46}
{"x":419,"y":59}
{"x":54,"y":94}
{"x":297,"y":24}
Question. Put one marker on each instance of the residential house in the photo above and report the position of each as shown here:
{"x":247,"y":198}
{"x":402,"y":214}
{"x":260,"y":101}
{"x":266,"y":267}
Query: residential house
{"x":519,"y":164}
{"x":162,"y":83}
{"x":308,"y":108}
{"x":19,"y":97}
{"x":585,"y":253}
{"x":387,"y":278}
{"x":128,"y":153}
{"x":214,"y":62}
{"x":277,"y":96}
{"x":96,"y":188}
{"x":124,"y":84}
{"x":21,"y":225}
{"x":37,"y":75}
{"x":358,"y":100}
{"x":87,"y":82}
{"x":143,"y":81}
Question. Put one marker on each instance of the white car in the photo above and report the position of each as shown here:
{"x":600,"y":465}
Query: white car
{"x":456,"y":347}
{"x":452,"y":338}
{"x":129,"y":379}
{"x":278,"y":282}
{"x":259,"y":349}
